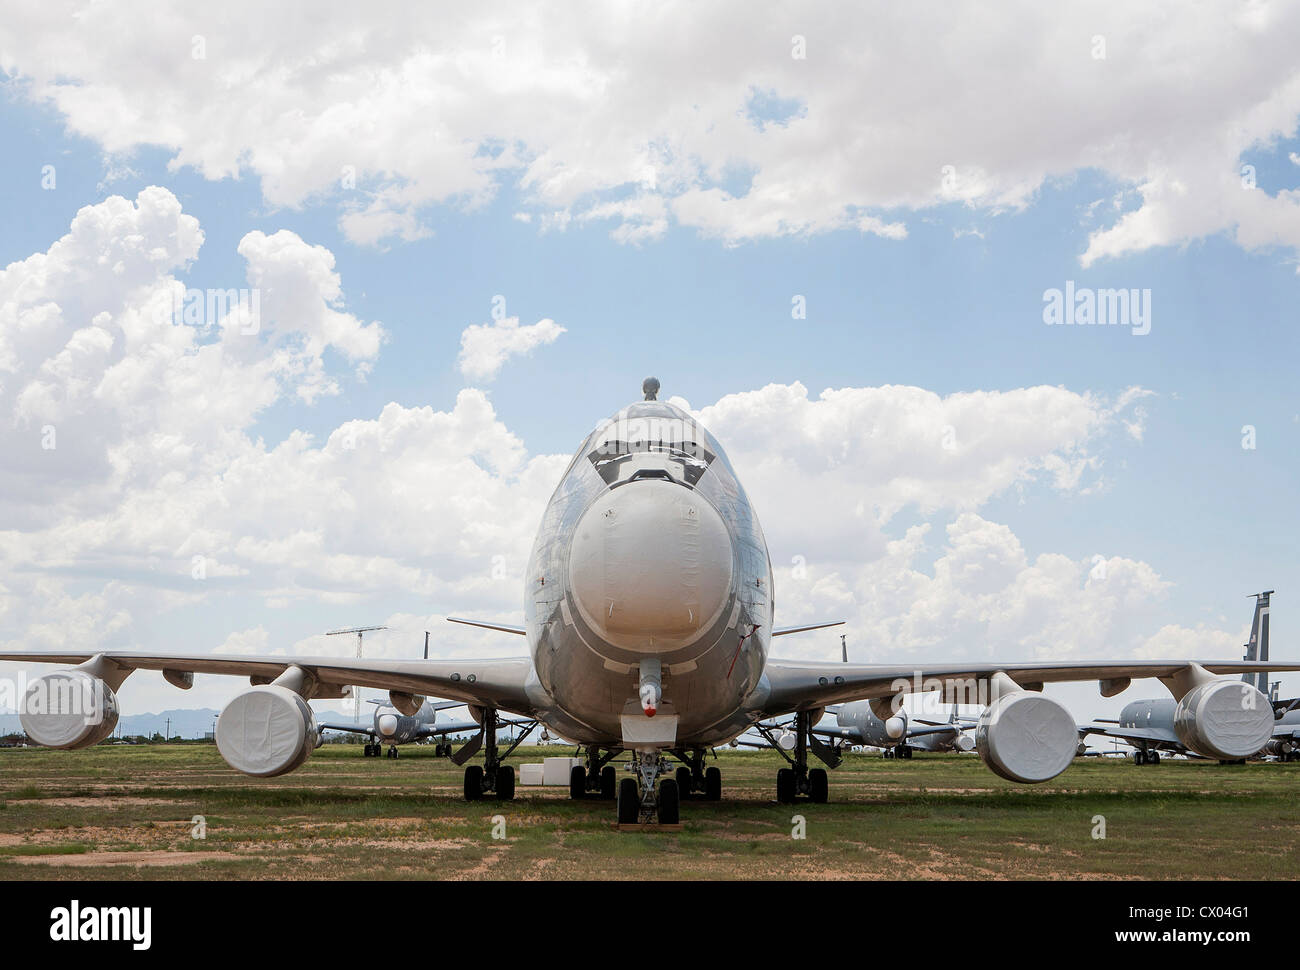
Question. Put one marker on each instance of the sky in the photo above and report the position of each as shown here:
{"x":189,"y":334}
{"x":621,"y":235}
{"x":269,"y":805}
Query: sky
{"x":463,"y":237}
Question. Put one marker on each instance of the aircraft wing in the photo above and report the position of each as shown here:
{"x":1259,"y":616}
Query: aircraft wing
{"x":783,"y":631}
{"x":441,"y":729}
{"x":1132,"y":734}
{"x":798,"y":686}
{"x":348,"y":728}
{"x":916,"y":732}
{"x":486,"y":683}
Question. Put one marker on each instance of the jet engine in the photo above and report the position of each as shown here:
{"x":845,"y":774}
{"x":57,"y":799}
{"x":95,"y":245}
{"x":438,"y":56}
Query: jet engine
{"x":68,"y":709}
{"x":267,"y":731}
{"x":1026,"y":737}
{"x":964,"y":742}
{"x":1225,"y":719}
{"x":408,"y":704}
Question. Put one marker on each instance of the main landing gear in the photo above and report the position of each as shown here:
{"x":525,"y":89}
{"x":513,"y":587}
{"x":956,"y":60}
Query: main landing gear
{"x":370,"y":750}
{"x":492,"y":776}
{"x":598,"y":779}
{"x":1144,"y":757}
{"x":798,"y":779}
{"x":693,"y":778}
{"x":898,"y":751}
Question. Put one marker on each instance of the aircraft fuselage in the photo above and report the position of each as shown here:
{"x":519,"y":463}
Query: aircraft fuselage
{"x":649,"y":551}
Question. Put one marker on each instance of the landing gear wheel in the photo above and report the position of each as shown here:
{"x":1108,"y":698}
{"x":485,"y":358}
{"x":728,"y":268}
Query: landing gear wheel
{"x":818,"y":788}
{"x":785,"y":786}
{"x":904,"y":751}
{"x":669,"y":802}
{"x":683,"y":777}
{"x":473,"y":783}
{"x":712,"y":784}
{"x":577,"y":782}
{"x":1139,"y":757}
{"x":506,"y":783}
{"x":629,"y":802}
{"x":1153,"y":758}
{"x":608,"y":783}
{"x":889,"y":752}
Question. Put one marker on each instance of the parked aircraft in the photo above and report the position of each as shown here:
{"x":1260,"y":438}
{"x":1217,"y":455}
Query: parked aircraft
{"x":1151,"y":725}
{"x":648,"y":616}
{"x":392,"y":727}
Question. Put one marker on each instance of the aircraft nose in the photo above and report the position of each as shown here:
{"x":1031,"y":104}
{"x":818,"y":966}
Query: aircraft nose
{"x":650,"y":567}
{"x":387,"y":725}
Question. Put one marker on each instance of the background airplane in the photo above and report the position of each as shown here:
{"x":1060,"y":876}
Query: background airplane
{"x":648,"y":616}
{"x":391,"y":727}
{"x":1150,"y":724}
{"x":898,"y":735}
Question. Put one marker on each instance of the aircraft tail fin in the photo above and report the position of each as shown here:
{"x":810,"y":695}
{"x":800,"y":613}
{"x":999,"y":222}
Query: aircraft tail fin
{"x":1257,"y":648}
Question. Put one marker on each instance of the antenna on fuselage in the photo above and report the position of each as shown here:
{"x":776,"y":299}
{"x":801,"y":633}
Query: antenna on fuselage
{"x":650,"y":387}
{"x":360,"y":631}
{"x":426,"y":644}
{"x":844,"y":646}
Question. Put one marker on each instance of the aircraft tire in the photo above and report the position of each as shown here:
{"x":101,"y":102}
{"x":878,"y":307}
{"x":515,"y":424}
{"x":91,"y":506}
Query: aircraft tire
{"x":785,"y":786}
{"x":506,"y":783}
{"x":683,"y":777}
{"x":629,"y":802}
{"x":713,"y":784}
{"x":818,"y":787}
{"x":608,"y":783}
{"x":669,"y":802}
{"x":1153,"y":758}
{"x":577,"y":782}
{"x":473,"y":783}
{"x":1139,"y":757}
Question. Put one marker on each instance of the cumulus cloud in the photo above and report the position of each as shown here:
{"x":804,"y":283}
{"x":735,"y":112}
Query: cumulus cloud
{"x":739,"y":125}
{"x":485,"y":347}
{"x":867,"y":453}
{"x":156,"y":497}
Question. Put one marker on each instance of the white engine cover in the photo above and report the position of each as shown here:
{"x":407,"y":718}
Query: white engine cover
{"x":1226,"y":719}
{"x":68,"y":709}
{"x":1026,"y":737}
{"x":267,"y":731}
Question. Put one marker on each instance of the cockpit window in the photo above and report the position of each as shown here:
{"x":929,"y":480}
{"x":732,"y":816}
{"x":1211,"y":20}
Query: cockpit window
{"x":666,"y":445}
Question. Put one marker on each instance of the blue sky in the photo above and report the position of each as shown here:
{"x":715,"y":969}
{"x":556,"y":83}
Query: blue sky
{"x":954,"y":307}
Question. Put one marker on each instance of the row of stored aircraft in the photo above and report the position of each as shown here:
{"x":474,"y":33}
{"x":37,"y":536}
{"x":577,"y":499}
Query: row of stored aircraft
{"x":649,"y":622}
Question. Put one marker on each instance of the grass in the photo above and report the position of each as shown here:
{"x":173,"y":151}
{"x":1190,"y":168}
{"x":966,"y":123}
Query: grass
{"x":128,"y":812}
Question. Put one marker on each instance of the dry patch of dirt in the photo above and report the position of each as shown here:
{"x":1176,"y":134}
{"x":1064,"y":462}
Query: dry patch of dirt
{"x":108,"y":802}
{"x":155,"y":858}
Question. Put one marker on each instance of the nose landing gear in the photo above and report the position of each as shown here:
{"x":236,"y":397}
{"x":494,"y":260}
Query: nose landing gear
{"x":638,"y":802}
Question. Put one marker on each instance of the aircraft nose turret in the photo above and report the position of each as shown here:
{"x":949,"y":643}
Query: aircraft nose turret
{"x":650,"y":568}
{"x":387,"y":725}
